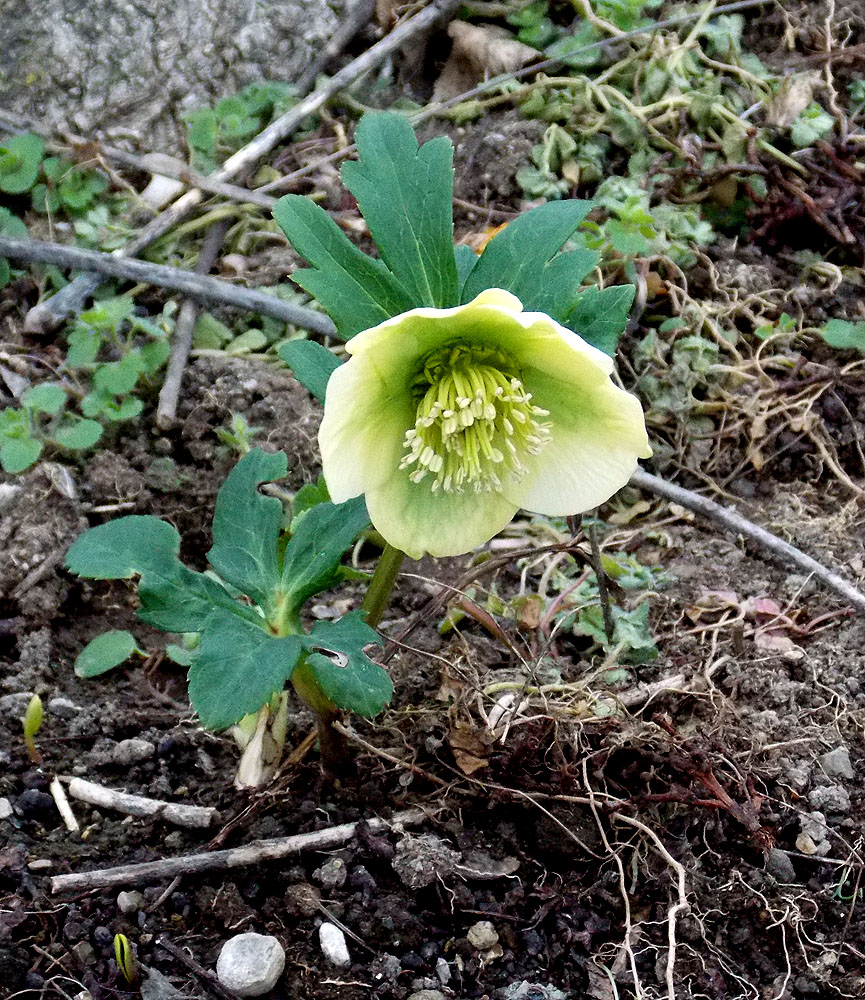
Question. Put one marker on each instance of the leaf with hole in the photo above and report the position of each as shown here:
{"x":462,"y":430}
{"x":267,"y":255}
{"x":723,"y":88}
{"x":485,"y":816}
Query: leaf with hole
{"x":335,"y":654}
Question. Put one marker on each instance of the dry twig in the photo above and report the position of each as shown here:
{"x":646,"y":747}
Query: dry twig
{"x":180,"y":814}
{"x":52,"y":311}
{"x":234,"y":857}
{"x":197,"y":286}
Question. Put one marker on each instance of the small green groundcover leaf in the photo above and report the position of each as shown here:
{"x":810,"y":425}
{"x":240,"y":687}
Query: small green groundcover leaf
{"x":45,"y":398}
{"x":104,"y":653}
{"x":18,"y":454}
{"x":20,"y":158}
{"x":844,"y":335}
{"x":77,"y":434}
{"x":343,"y":671}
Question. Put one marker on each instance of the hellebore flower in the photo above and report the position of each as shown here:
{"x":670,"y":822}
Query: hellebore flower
{"x":450,"y":420}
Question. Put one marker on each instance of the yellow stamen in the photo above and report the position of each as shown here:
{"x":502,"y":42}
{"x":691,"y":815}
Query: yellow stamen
{"x":474,"y":421}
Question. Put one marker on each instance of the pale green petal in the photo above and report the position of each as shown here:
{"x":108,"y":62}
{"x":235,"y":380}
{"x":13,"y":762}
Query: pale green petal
{"x":366,"y":415}
{"x":549,"y":347}
{"x":414,"y":519}
{"x":493,"y":318}
{"x":597,"y":438}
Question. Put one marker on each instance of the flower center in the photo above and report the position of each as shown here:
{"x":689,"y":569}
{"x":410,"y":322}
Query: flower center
{"x":474,"y":421}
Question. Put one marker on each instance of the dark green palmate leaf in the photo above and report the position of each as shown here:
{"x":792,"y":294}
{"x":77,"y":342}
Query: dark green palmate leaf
{"x":311,"y":363}
{"x":405,"y":194}
{"x":343,"y":671}
{"x":237,"y":668}
{"x":246,"y":527}
{"x":173,"y":597}
{"x":315,"y":551}
{"x":356,"y":291}
{"x":523,"y":259}
{"x":600,"y":315}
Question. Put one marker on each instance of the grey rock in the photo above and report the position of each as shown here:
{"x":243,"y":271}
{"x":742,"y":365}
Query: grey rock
{"x":62,"y":707}
{"x":250,"y":964}
{"x":333,"y":945}
{"x":130,"y":68}
{"x":332,"y":874}
{"x":524,"y":990}
{"x":15,"y":704}
{"x":84,"y":953}
{"x":155,"y":986}
{"x":443,"y":971}
{"x":419,"y":861}
{"x":836,"y":763}
{"x":130,"y":902}
{"x":33,"y":804}
{"x":5,"y":809}
{"x":482,"y":935}
{"x":830,"y":799}
{"x":126,"y":753}
{"x":427,"y":995}
{"x":779,"y":865}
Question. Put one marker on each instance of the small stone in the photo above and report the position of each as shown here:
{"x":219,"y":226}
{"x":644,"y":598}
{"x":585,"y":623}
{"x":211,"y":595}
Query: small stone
{"x":84,"y":953}
{"x":419,"y":861}
{"x":482,"y":935}
{"x":779,"y":865}
{"x":155,"y":986}
{"x":40,"y":865}
{"x":331,"y":875}
{"x":62,"y":707}
{"x":250,"y":964}
{"x":302,"y":899}
{"x":443,"y":971}
{"x":427,"y":995}
{"x":15,"y":704}
{"x":34,"y":804}
{"x":333,"y":945}
{"x":132,"y":751}
{"x":5,"y":809}
{"x":836,"y":764}
{"x":130,"y":902}
{"x":830,"y":799}
{"x":805,"y":845}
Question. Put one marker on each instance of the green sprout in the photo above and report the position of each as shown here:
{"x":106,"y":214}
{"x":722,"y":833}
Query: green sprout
{"x":124,"y":955}
{"x":32,"y":723}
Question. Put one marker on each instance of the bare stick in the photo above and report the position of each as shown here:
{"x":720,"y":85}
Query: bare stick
{"x":734,"y":521}
{"x":235,"y":857}
{"x":181,"y":341}
{"x":58,"y":793}
{"x":151,"y":163}
{"x":197,"y":286}
{"x":52,"y":311}
{"x":358,"y":15}
{"x":180,"y":814}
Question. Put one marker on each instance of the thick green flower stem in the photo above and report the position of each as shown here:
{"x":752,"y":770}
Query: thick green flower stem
{"x":333,"y":746}
{"x":375,"y":601}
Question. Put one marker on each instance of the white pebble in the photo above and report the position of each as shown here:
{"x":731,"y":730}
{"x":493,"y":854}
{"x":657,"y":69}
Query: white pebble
{"x":333,"y":945}
{"x":5,"y":808}
{"x":130,"y":902}
{"x":482,"y":935}
{"x":250,"y":964}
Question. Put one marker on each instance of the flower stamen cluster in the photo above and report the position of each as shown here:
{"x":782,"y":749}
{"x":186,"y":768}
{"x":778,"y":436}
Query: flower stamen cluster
{"x":475,"y":421}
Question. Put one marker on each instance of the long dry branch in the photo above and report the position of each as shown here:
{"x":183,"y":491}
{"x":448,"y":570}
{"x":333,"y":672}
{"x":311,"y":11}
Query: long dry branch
{"x":52,"y":311}
{"x":197,"y":286}
{"x":234,"y":857}
{"x":734,"y":521}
